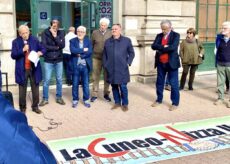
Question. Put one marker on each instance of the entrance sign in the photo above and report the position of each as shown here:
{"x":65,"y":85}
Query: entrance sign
{"x":105,"y":9}
{"x":149,"y":144}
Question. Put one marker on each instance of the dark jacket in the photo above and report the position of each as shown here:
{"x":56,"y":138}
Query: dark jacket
{"x":222,"y":51}
{"x":53,"y":46}
{"x":171,"y":50}
{"x":75,"y":50}
{"x":18,"y":55}
{"x":118,"y":55}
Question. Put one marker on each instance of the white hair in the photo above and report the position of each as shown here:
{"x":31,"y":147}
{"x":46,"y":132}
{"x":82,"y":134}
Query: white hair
{"x":226,"y":23}
{"x":81,"y":28}
{"x":166,"y":21}
{"x":23,"y":27}
{"x":105,"y":20}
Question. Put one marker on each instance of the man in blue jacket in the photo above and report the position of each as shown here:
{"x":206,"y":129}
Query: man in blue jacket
{"x":81,"y":53}
{"x":25,"y":69}
{"x":18,"y":142}
{"x":118,"y":55}
{"x":167,"y":61}
{"x":54,"y":41}
{"x":223,"y":61}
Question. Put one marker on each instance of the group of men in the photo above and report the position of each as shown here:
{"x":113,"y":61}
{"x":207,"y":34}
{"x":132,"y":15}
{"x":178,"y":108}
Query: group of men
{"x":107,"y":51}
{"x":110,"y":51}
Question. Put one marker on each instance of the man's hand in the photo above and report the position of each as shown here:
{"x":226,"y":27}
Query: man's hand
{"x":26,"y":48}
{"x":53,"y":31}
{"x":201,"y":55}
{"x":39,"y":53}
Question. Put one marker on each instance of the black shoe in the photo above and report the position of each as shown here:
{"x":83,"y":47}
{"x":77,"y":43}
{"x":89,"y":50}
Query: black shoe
{"x":23,"y":110}
{"x":38,"y":111}
{"x":43,"y":102}
{"x":93,"y":99}
{"x":107,"y":98}
{"x":190,"y":88}
{"x":181,"y":88}
{"x":60,"y":101}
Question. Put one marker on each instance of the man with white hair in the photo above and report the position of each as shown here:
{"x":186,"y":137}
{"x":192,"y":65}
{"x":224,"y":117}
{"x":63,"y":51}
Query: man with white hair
{"x":223,"y":61}
{"x":25,"y":69}
{"x":98,"y":40}
{"x":81,"y":52}
{"x":167,"y":62}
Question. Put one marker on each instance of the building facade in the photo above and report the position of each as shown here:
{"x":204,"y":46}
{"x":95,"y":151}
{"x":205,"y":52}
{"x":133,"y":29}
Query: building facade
{"x":140,"y":20}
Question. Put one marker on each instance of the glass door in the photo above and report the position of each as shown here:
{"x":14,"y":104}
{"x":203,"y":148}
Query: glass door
{"x":43,"y":11}
{"x":89,"y":16}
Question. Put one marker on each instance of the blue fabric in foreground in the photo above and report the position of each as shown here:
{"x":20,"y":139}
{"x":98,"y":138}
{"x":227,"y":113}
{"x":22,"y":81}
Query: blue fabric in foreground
{"x":18,"y":143}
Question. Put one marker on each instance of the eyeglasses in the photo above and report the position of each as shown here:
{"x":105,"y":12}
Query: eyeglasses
{"x":82,"y":32}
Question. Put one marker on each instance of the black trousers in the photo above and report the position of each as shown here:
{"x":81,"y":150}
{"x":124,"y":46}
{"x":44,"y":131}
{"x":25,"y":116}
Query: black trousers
{"x":23,"y":91}
{"x":191,"y":68}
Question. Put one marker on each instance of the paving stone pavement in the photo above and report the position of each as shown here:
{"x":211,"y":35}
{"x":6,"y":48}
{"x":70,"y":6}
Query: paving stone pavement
{"x":82,"y":121}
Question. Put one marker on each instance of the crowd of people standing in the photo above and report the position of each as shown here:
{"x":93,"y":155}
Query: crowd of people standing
{"x":111,"y":53}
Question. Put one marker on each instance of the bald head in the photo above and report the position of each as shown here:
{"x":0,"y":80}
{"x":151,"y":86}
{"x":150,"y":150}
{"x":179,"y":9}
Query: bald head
{"x":72,"y":29}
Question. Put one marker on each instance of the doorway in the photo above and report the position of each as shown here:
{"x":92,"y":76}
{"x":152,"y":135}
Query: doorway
{"x":69,"y":12}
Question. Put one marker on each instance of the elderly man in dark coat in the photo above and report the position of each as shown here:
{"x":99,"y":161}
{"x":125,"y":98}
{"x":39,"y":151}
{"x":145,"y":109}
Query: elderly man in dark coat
{"x":117,"y":57}
{"x":167,"y":62}
{"x":25,"y":69}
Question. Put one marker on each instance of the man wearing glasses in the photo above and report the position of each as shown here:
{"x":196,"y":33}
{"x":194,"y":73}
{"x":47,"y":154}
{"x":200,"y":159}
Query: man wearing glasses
{"x":222,"y":61}
{"x":81,"y":52}
{"x":167,"y":61}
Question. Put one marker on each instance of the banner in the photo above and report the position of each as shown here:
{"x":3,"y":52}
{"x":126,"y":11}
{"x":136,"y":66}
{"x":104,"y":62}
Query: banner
{"x":149,"y":144}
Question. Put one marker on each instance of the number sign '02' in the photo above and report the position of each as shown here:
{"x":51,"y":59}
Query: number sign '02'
{"x":105,"y":9}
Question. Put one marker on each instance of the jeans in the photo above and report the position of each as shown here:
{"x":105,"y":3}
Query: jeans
{"x":162,"y":69}
{"x":80,"y":73}
{"x":68,"y":68}
{"x":120,"y":93}
{"x":48,"y":68}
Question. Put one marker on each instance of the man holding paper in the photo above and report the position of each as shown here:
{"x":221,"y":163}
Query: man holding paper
{"x":22,"y":46}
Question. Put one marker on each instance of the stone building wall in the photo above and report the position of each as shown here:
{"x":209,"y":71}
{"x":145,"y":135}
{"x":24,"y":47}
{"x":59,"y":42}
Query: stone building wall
{"x":140,"y":20}
{"x":8,"y":33}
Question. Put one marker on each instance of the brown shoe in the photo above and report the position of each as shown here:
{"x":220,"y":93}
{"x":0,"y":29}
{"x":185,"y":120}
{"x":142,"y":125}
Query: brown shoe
{"x":38,"y":111}
{"x":116,"y":106}
{"x":173,"y":107}
{"x":124,"y":108}
{"x":155,"y":104}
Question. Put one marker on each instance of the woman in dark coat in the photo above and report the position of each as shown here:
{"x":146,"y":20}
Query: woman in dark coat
{"x":117,"y":57}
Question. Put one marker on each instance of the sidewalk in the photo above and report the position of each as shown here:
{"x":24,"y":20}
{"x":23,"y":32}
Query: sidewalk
{"x":82,"y":121}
